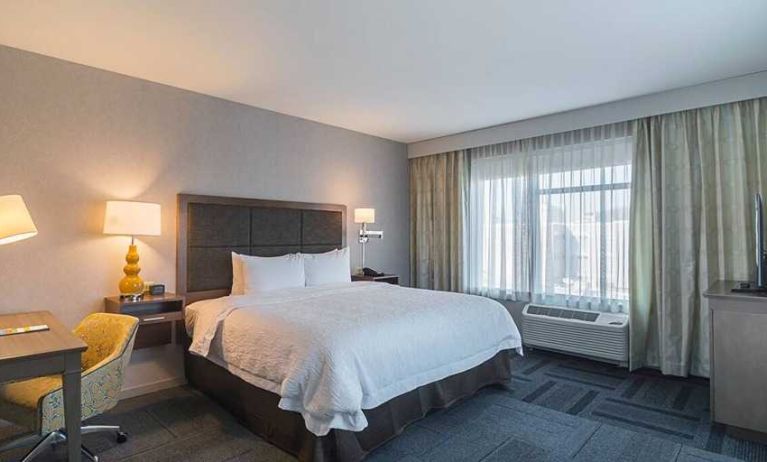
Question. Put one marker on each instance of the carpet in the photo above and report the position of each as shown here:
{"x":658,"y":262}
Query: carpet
{"x":558,"y":408}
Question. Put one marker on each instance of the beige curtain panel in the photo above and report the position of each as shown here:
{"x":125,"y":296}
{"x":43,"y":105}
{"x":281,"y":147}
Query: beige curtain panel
{"x":695,"y":174}
{"x":437,"y":207}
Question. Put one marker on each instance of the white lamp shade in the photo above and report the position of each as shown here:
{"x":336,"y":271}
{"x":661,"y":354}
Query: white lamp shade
{"x":132,"y":218}
{"x":15,"y":222}
{"x":364,"y":215}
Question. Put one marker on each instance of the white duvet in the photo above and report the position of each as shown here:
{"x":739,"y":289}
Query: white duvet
{"x":331,"y":351}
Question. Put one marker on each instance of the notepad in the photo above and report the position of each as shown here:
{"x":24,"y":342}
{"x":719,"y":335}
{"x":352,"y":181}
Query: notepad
{"x":23,"y":330}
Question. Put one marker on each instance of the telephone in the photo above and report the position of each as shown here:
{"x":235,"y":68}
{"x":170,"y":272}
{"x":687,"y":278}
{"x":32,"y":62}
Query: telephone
{"x":371,"y":272}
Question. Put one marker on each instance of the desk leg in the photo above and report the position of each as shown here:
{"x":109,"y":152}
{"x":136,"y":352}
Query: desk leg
{"x":72,"y":406}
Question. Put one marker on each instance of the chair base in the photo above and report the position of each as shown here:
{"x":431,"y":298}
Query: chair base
{"x":41,"y":443}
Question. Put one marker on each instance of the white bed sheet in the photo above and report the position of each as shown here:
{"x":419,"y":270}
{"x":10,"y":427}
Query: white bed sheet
{"x":332,"y":351}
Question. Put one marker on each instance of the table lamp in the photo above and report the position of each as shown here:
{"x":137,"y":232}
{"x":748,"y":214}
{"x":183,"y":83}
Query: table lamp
{"x":132,"y":219}
{"x":15,"y":222}
{"x":365,"y":216}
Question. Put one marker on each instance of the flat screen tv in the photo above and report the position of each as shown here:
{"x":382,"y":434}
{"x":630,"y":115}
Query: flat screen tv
{"x":759,"y":283}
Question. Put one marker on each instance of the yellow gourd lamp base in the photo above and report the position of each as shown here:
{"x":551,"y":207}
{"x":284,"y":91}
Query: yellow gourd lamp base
{"x":131,"y":286}
{"x":132,"y":218}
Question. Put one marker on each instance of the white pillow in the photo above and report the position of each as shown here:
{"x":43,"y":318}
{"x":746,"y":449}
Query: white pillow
{"x":261,"y":274}
{"x":328,"y":267}
{"x":237,"y":288}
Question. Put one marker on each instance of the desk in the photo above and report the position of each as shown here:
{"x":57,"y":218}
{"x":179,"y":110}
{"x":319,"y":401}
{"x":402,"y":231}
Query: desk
{"x":36,"y":354}
{"x":738,"y":357}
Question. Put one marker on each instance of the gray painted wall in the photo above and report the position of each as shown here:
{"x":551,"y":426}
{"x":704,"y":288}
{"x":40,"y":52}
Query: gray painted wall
{"x":72,"y":137}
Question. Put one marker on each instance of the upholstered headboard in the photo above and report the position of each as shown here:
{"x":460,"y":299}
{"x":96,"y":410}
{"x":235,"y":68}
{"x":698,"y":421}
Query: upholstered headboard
{"x":211,"y":227}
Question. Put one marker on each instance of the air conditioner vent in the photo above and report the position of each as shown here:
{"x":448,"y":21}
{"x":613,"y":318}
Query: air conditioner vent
{"x":585,"y":333}
{"x":563,"y":313}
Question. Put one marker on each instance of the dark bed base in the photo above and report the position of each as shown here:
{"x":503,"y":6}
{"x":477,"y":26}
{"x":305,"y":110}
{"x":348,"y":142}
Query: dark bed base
{"x":257,"y":409}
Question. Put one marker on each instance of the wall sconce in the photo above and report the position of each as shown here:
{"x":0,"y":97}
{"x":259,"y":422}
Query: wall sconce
{"x":364,"y":217}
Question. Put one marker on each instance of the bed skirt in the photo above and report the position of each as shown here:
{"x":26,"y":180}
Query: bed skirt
{"x":257,"y":408}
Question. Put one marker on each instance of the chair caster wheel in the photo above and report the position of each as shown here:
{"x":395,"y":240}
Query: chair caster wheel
{"x":121,"y":437}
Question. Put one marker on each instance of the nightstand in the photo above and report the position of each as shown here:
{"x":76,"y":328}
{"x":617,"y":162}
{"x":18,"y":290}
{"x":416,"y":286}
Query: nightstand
{"x":160,"y":317}
{"x":388,"y":278}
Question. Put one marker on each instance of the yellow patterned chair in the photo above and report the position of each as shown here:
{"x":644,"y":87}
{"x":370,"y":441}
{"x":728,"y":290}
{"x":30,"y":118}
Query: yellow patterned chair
{"x":37,"y":403}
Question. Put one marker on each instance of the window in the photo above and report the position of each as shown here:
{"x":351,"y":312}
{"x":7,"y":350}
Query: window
{"x":583,"y":232}
{"x":548,"y":220}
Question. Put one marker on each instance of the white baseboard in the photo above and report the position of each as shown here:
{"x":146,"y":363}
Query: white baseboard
{"x":152,"y":387}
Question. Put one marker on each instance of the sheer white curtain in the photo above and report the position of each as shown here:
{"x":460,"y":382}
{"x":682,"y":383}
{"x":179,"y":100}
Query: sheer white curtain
{"x":548,"y":219}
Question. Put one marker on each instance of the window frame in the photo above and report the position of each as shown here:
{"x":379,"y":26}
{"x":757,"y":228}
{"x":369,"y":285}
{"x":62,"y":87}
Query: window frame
{"x":536,"y":192}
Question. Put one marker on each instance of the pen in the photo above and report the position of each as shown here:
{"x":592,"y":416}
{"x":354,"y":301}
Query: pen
{"x":21,"y":330}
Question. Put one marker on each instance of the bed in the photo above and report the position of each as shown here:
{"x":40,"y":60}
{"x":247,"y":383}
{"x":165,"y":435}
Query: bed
{"x":328,"y":372}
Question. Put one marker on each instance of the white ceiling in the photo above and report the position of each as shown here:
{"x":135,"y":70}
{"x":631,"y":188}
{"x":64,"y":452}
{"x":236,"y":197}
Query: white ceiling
{"x":406,"y":70}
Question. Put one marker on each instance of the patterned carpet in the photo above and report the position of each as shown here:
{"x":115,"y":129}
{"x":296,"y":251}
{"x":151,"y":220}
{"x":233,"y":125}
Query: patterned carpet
{"x":666,"y":407}
{"x":558,"y":409}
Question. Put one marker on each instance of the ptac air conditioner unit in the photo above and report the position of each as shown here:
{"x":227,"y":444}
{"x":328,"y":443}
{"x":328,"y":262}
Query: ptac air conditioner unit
{"x":595,"y":335}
